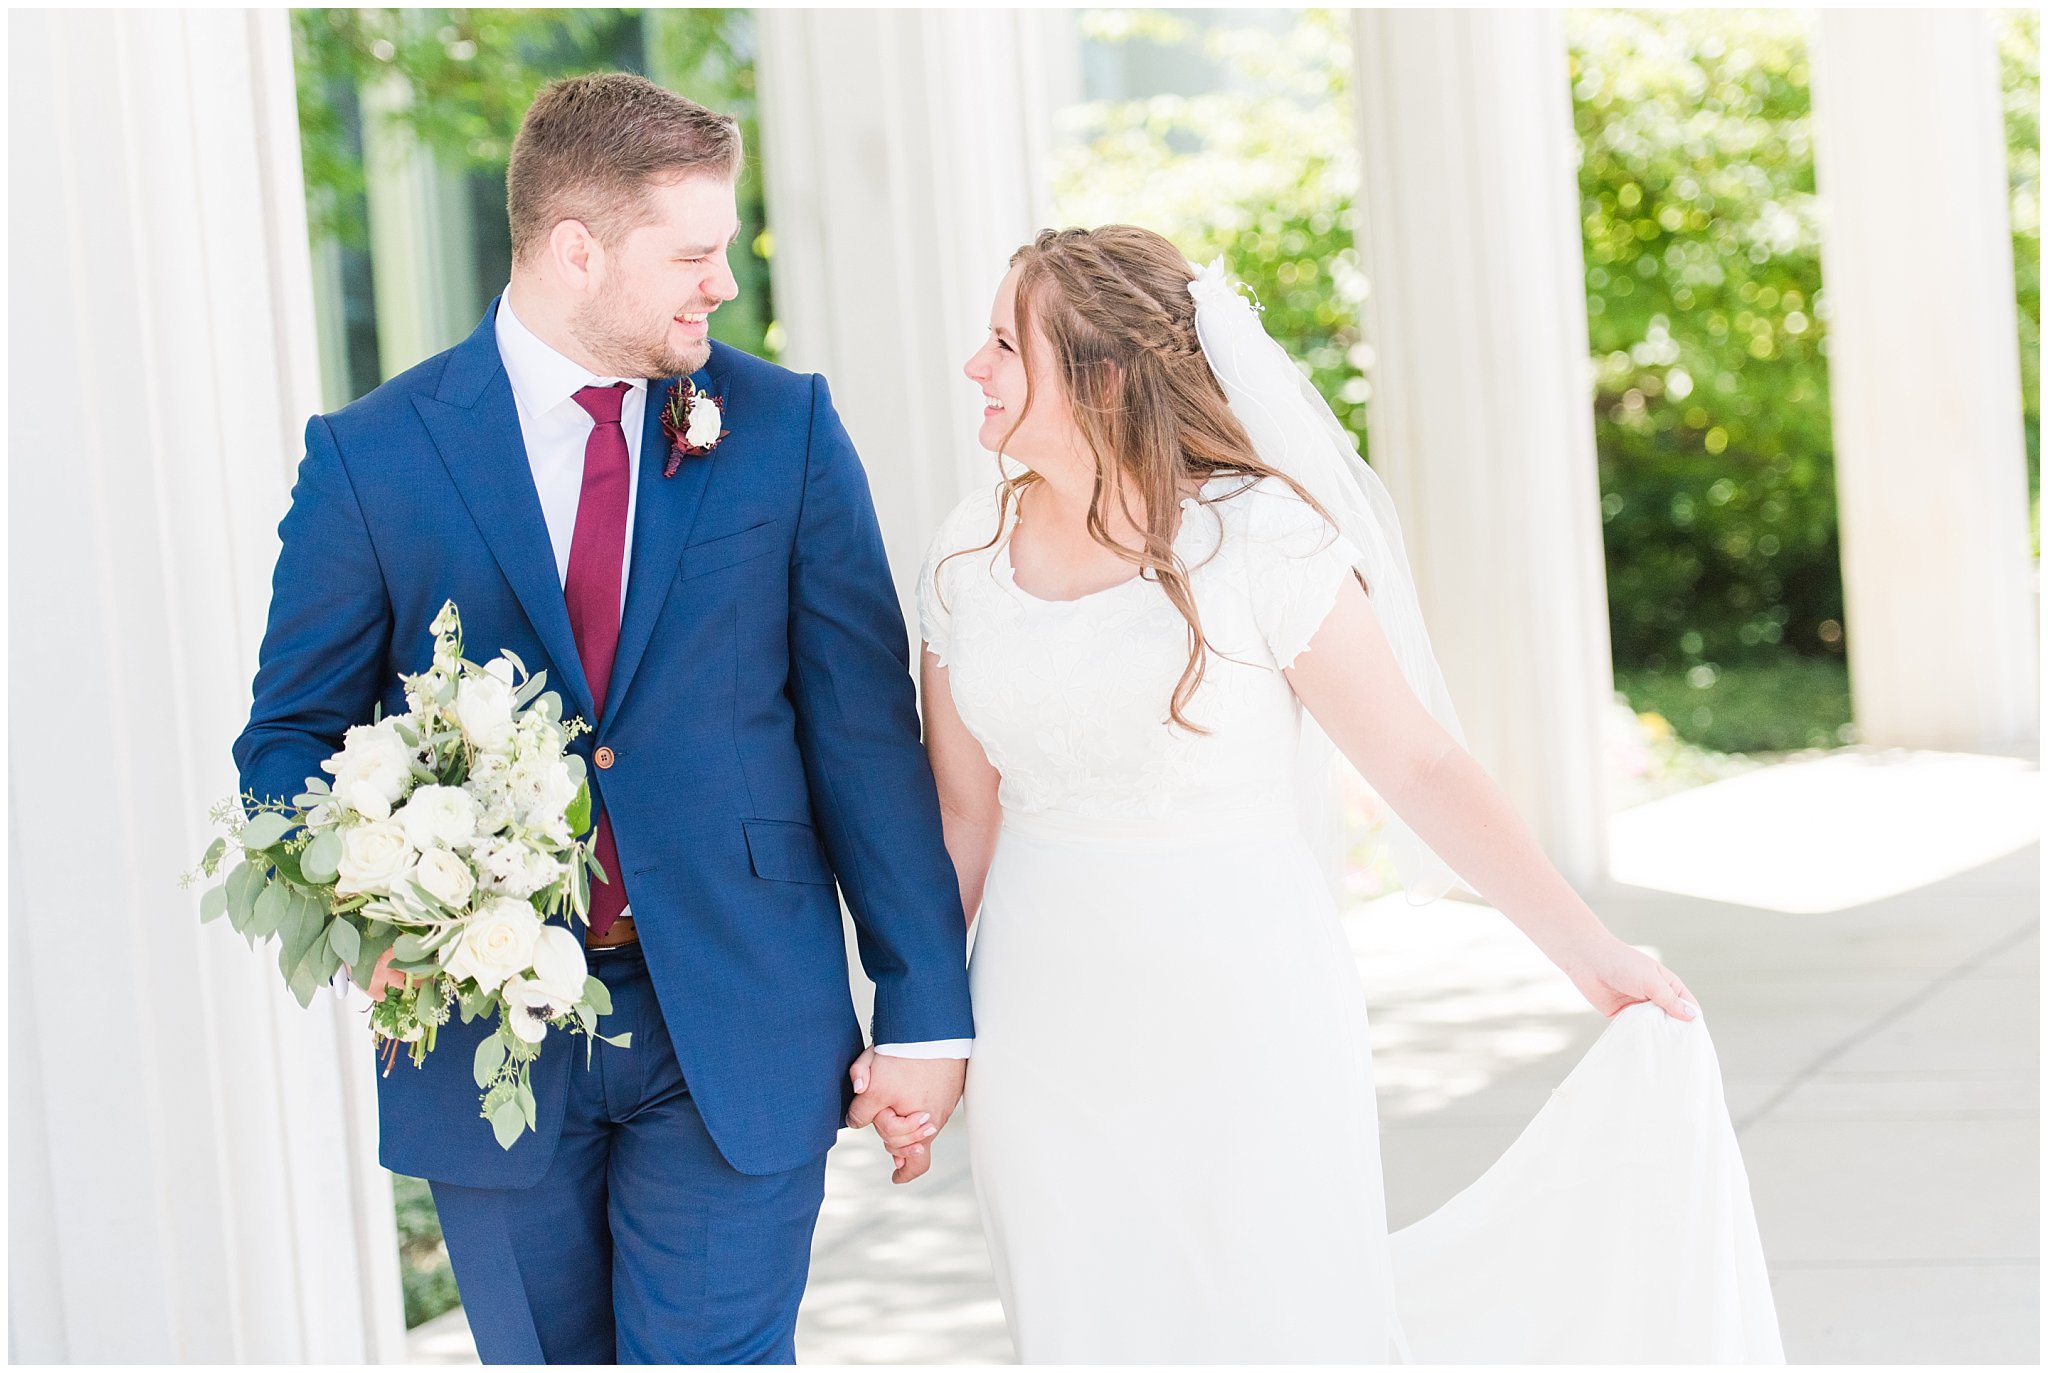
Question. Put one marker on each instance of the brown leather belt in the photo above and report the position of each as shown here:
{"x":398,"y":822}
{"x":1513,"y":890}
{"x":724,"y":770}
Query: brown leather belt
{"x":620,"y":932}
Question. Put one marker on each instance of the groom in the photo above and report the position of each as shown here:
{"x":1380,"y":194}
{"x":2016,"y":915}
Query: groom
{"x":715,"y":604}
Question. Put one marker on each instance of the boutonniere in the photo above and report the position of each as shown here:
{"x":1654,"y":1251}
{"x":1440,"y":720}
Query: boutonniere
{"x":694,"y":422}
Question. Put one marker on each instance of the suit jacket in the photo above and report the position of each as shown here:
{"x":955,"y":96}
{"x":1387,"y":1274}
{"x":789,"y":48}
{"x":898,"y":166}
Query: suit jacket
{"x":760,"y":718}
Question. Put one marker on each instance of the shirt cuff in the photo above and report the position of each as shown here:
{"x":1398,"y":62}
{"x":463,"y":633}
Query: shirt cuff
{"x":930,"y":1048}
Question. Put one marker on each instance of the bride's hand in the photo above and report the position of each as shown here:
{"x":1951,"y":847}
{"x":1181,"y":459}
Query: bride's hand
{"x":1612,"y":975}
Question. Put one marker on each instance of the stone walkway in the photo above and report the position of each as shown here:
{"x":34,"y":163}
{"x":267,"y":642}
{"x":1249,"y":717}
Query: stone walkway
{"x":1862,"y":930}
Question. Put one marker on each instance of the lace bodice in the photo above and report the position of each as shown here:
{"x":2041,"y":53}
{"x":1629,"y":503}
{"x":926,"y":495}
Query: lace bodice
{"x":1070,"y":698}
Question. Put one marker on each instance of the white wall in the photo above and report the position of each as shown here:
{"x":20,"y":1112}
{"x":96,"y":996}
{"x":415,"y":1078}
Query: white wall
{"x":191,"y":1177}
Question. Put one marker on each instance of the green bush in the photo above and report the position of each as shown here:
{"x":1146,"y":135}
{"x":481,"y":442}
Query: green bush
{"x":1707,"y":327}
{"x":423,"y":1267}
{"x":1791,"y":701}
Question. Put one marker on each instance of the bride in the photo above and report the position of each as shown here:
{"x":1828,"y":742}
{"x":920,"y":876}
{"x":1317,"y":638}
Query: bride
{"x":1174,"y":1139}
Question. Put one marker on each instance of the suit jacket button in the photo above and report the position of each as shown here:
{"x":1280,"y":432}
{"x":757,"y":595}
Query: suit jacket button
{"x":605,"y":757}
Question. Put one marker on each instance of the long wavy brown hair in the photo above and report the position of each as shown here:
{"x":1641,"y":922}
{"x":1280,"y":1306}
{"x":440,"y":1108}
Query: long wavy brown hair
{"x":1112,"y":304}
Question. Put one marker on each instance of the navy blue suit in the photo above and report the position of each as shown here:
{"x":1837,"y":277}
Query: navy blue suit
{"x":765,"y":737}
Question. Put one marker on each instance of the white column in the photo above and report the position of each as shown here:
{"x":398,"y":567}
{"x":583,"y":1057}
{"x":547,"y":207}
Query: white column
{"x":903,"y":152}
{"x":191,"y":1177}
{"x":1923,"y":364}
{"x":1481,"y":412}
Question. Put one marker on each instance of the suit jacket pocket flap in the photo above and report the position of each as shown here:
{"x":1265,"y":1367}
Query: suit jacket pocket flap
{"x":709,"y":555}
{"x":783,"y":851}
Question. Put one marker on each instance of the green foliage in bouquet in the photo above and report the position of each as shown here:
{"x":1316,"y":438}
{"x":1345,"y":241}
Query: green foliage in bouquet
{"x":447,"y":839}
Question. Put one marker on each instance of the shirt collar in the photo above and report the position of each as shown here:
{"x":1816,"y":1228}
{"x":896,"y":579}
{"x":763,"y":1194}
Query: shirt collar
{"x":541,"y":377}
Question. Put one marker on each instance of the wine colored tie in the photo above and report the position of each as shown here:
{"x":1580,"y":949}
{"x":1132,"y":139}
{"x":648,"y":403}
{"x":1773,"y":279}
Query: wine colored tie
{"x":597,"y":555}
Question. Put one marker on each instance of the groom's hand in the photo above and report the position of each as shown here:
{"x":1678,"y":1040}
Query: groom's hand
{"x":908,"y":1101}
{"x":383,"y":979}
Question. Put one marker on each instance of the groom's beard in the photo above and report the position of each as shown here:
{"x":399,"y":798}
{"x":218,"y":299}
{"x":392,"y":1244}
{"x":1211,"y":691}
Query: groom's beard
{"x":605,"y":328}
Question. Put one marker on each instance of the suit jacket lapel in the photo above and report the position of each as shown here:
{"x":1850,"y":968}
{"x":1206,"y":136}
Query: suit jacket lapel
{"x":666,"y":508}
{"x":475,"y":425}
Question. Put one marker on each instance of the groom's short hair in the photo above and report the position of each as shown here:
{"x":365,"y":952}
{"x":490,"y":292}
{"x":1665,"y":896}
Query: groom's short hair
{"x":590,"y":146}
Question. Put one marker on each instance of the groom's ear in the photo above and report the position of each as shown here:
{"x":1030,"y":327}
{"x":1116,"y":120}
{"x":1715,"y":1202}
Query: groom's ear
{"x":574,"y":252}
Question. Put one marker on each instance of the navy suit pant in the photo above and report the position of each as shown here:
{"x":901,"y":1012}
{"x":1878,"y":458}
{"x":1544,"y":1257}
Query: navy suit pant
{"x":641,"y":1244}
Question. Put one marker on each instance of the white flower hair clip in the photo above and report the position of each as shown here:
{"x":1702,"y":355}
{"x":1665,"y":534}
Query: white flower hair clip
{"x":1213,"y":286}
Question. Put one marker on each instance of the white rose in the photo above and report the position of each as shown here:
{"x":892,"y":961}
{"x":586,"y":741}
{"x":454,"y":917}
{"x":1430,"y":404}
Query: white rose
{"x":497,"y":944}
{"x":529,"y":1007}
{"x":705,"y":421}
{"x":483,"y":707}
{"x":445,"y":877}
{"x":375,"y":859}
{"x":372,"y":770}
{"x":558,"y":965}
{"x":439,"y":817}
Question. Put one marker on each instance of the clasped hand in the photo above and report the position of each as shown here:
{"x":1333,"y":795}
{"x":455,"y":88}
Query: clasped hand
{"x":908,"y":1101}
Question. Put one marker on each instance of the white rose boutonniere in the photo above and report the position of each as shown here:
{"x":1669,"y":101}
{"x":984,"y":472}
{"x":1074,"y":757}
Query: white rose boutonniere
{"x":694,"y":422}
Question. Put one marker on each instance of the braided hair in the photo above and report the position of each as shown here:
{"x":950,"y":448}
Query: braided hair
{"x":1113,"y":306}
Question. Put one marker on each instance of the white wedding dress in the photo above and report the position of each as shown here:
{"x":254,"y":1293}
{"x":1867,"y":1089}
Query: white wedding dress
{"x":1158,"y":947}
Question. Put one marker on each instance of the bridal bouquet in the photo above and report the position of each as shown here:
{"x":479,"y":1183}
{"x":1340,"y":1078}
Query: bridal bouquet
{"x":448,"y":836}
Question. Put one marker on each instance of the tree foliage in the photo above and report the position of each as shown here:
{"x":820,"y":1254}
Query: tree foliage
{"x":1704,"y":299}
{"x":1261,"y":169}
{"x":1707,"y":325}
{"x":456,"y":82}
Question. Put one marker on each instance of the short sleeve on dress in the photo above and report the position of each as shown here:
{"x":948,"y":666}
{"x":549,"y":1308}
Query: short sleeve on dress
{"x":967,"y":526}
{"x":1296,"y":562}
{"x":934,"y":621}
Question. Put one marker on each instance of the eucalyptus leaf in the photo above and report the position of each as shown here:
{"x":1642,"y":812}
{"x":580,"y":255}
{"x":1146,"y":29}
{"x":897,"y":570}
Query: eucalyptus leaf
{"x":490,"y":1056}
{"x":213,"y":905}
{"x":375,"y":941}
{"x":409,"y":948}
{"x":321,"y":862}
{"x":304,"y":981}
{"x":527,"y":1107}
{"x":305,"y":925}
{"x":273,"y":903}
{"x":530,"y":688}
{"x":513,"y":658}
{"x":244,"y":881}
{"x":287,"y":864}
{"x":624,"y":1041}
{"x":550,"y":707}
{"x":508,"y":1122}
{"x":213,"y":855}
{"x":597,"y":995}
{"x":347,"y":941}
{"x":264,"y":830}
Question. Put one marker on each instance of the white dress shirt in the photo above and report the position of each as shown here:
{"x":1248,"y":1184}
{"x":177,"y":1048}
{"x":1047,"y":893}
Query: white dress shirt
{"x":556,"y":431}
